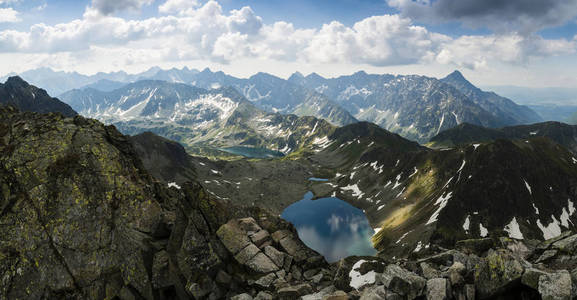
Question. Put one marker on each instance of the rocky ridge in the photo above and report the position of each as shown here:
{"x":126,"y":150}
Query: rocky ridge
{"x":26,"y":97}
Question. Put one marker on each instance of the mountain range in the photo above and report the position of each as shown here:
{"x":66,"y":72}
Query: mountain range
{"x":217,"y":118}
{"x":416,"y":107}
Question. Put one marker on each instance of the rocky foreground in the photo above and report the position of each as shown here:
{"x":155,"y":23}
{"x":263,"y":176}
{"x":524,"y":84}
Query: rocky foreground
{"x":81,"y":218}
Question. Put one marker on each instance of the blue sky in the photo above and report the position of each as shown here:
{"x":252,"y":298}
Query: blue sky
{"x":515,"y":42}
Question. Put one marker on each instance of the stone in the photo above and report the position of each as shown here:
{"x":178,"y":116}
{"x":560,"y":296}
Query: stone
{"x":548,"y":254}
{"x":428,"y":271}
{"x":327,"y":291}
{"x":232,"y":237}
{"x":266,"y":281}
{"x":249,"y":225}
{"x":304,"y":288}
{"x":262,"y":264}
{"x":276,"y":256}
{"x":288,"y":260}
{"x":280,"y":283}
{"x":574,"y":281}
{"x":314,"y":262}
{"x":277,"y":236}
{"x":198,"y":291}
{"x":438,"y":289}
{"x":281,"y":274}
{"x":567,"y":245}
{"x":403,"y":282}
{"x":223,"y":278}
{"x":317,"y":278}
{"x":294,"y":248}
{"x":456,"y":273}
{"x":555,"y":286}
{"x":308,"y":274}
{"x":546,"y":244}
{"x":520,"y":248}
{"x":296,"y":272}
{"x":531,"y":278}
{"x":476,"y":246}
{"x":288,"y":293}
{"x":263,"y":296}
{"x":244,"y":296}
{"x":374,"y":293}
{"x":260,"y":237}
{"x":338,"y":295}
{"x":246,"y":254}
{"x":393,"y":296}
{"x":498,"y":270}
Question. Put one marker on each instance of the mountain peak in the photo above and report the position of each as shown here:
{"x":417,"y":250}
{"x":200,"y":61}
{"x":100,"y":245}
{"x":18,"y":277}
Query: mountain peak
{"x":456,"y":74}
{"x":457,"y":78}
{"x":206,"y":70}
{"x":314,"y":75}
{"x":297,"y":74}
{"x":17,"y":81}
{"x":296,"y":77}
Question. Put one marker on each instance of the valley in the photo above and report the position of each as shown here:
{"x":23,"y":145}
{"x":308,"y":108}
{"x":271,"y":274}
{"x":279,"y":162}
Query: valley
{"x":405,"y":199}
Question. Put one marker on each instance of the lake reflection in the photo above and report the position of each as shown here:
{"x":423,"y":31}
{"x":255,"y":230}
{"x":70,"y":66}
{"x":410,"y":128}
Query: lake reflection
{"x":331,"y":226}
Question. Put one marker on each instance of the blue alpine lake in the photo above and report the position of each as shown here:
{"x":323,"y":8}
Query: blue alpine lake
{"x":331,"y":226}
{"x":318,"y":179}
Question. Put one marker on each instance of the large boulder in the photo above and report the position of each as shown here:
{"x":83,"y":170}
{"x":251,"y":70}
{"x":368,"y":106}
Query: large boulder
{"x":403,"y":282}
{"x":438,"y":289}
{"x":233,"y":237}
{"x":555,"y":286}
{"x":497,"y":272}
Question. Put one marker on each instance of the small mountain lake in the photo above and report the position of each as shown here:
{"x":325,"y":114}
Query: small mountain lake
{"x":331,"y":226}
{"x":252,"y":152}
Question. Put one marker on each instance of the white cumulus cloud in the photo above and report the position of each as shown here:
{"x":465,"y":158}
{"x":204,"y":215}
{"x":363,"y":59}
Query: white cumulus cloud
{"x":207,"y":33}
{"x":181,"y":7}
{"x":9,"y":15}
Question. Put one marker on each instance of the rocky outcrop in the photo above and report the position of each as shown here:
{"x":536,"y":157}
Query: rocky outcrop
{"x":509,"y":269}
{"x":82,"y":219}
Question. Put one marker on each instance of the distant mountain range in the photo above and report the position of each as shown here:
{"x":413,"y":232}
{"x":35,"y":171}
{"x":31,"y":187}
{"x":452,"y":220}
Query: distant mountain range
{"x":218,"y":118}
{"x":416,"y":107}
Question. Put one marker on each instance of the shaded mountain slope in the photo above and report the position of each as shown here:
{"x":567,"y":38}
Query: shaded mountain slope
{"x":20,"y":94}
{"x":565,"y":135}
{"x":425,"y":196}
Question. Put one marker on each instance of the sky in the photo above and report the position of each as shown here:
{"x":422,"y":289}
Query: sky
{"x":531,"y":43}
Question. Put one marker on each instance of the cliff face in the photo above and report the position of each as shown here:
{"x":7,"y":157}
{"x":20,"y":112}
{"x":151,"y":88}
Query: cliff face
{"x":82,"y":219}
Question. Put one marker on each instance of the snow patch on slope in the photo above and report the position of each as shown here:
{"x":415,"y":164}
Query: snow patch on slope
{"x":358,"y":280}
{"x":513,"y":229}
